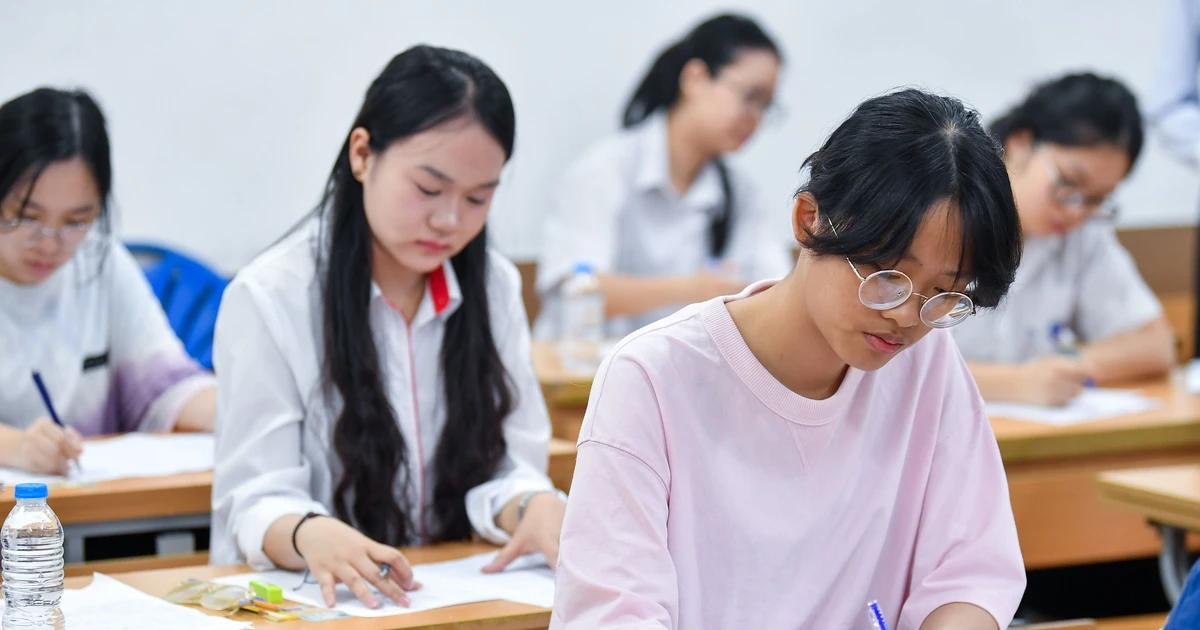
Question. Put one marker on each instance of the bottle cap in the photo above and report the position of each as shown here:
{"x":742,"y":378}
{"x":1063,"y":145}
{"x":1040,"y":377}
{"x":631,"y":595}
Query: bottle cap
{"x":31,"y":491}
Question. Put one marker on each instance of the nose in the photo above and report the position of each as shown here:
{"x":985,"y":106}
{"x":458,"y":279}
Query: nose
{"x":445,"y":217}
{"x":908,"y":314}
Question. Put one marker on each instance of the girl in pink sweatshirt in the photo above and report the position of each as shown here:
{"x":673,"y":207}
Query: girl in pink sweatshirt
{"x":781,"y":457}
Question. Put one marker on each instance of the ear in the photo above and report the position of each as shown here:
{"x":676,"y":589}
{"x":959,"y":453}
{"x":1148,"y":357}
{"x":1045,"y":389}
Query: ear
{"x":360,"y":153}
{"x":693,"y":77}
{"x":805,"y":217}
{"x":1018,"y":149}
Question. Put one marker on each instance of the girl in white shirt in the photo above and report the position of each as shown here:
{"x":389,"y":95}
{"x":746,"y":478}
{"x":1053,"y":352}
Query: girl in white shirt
{"x":377,"y":386}
{"x":654,"y":209}
{"x":74,"y":305}
{"x":1067,"y":147}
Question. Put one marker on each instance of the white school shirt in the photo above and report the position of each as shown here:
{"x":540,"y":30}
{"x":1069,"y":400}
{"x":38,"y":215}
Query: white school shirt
{"x":617,"y":210}
{"x":103,"y":345}
{"x":274,"y":427}
{"x":1084,"y":280}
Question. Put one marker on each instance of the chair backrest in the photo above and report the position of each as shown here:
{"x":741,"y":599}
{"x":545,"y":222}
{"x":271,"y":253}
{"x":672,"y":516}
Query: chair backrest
{"x":190,"y":294}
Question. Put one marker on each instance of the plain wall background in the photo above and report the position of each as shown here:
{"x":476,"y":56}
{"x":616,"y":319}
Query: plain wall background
{"x":226,"y":115}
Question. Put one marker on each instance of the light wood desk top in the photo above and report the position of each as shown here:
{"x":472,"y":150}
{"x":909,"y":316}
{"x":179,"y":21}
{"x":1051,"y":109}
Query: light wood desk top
{"x":560,"y":387}
{"x":127,"y":499}
{"x":1169,"y":494}
{"x":495,"y":615}
{"x":1176,"y":424}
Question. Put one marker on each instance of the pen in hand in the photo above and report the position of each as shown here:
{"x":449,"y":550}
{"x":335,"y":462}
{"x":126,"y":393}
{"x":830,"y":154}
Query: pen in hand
{"x":41,"y":386}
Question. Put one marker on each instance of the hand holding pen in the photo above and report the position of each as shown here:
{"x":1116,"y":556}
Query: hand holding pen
{"x":48,"y":446}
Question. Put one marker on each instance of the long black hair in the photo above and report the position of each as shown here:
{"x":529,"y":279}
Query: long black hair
{"x":1078,"y":110}
{"x":419,"y":89}
{"x":717,"y":42}
{"x":49,"y":125}
{"x":896,"y":157}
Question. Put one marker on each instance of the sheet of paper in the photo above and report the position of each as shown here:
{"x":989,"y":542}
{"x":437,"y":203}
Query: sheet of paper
{"x":527,"y":581}
{"x":1092,"y":404}
{"x":107,"y":604}
{"x":130,"y":455}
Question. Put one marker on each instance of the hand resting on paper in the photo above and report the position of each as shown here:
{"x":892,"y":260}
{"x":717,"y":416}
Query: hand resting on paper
{"x":336,"y":552}
{"x":1052,"y":381}
{"x":43,"y":448}
{"x":538,"y":531}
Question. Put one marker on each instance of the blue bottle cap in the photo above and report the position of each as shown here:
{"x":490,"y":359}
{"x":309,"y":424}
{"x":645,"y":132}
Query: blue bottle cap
{"x":582,"y":267}
{"x":31,"y":491}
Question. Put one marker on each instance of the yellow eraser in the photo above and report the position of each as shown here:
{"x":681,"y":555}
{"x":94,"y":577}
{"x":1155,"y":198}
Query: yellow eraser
{"x":267,"y":591}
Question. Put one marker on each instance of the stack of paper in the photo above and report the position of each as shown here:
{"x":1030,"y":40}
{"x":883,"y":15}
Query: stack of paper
{"x":528,"y":580}
{"x":131,"y":455}
{"x":1092,"y":404}
{"x":107,"y":604}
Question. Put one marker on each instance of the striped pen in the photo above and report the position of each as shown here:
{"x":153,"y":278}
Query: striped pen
{"x":877,"y":621}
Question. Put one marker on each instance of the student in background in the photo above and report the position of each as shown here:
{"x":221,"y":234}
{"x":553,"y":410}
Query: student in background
{"x":1067,"y":147}
{"x":655,"y":210}
{"x":74,"y":304}
{"x":778,"y":458}
{"x":377,"y":386}
{"x":1174,"y":108}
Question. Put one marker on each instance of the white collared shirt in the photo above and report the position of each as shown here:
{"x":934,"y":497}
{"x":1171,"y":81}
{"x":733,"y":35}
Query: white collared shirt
{"x":617,"y":209}
{"x":274,"y":426}
{"x":1083,"y":280}
{"x":105,"y":350}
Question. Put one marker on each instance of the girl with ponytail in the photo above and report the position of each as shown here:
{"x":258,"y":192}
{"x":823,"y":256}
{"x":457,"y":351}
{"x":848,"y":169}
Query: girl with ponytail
{"x":374,"y":366}
{"x":1067,"y":147}
{"x":654,"y":209}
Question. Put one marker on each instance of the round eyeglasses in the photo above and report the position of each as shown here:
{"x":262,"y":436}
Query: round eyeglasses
{"x":887,"y":289}
{"x":31,"y":232}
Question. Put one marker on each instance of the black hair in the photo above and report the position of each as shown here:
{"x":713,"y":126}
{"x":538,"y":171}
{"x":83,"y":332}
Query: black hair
{"x":887,"y":165}
{"x":717,"y":42}
{"x":1078,"y":110}
{"x":419,"y":89}
{"x":49,"y":125}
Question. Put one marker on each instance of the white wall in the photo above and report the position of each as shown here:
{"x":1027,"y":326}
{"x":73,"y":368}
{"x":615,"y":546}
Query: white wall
{"x":226,"y":115}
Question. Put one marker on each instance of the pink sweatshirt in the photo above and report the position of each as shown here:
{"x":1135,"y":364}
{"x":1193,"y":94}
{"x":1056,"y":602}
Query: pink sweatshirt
{"x":708,"y":495}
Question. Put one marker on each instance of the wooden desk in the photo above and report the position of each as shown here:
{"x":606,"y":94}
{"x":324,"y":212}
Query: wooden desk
{"x":1051,"y":469}
{"x":1169,"y":497}
{"x":496,"y":615}
{"x":126,"y":506}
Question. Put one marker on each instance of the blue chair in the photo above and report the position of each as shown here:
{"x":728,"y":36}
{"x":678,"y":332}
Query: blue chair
{"x":1186,"y":614}
{"x":190,"y":294}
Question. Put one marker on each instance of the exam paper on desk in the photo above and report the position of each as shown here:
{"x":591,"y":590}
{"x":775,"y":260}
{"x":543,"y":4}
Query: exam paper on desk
{"x":130,"y":455}
{"x":1092,"y":404}
{"x":528,"y":580}
{"x":108,"y":604}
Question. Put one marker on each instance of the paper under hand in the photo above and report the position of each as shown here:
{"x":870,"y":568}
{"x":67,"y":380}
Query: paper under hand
{"x":1092,"y":404}
{"x":528,"y":580}
{"x":131,"y":455}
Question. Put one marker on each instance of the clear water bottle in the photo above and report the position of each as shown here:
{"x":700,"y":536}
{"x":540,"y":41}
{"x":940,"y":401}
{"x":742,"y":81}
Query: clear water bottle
{"x":32,"y":543}
{"x":583,"y":320}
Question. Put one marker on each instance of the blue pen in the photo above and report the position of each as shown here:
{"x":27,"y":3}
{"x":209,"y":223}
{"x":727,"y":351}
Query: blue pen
{"x":37,"y":380}
{"x":876,"y":616}
{"x":1065,"y":344}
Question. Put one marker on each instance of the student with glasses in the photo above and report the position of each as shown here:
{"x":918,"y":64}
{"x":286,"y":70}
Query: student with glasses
{"x":778,"y":458}
{"x":654,"y":209}
{"x":74,"y":304}
{"x":1078,"y":313}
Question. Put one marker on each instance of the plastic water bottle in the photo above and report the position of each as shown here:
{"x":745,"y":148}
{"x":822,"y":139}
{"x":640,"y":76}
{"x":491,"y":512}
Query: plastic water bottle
{"x":583,"y":320}
{"x":32,"y":543}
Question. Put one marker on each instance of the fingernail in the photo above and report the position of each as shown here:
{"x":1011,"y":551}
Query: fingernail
{"x":373,"y":603}
{"x":404,"y":602}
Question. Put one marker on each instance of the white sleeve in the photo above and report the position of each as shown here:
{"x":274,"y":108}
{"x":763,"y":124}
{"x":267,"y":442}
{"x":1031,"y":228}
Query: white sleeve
{"x":153,"y":373}
{"x":581,"y":224}
{"x":1113,"y":297}
{"x":1174,"y":104}
{"x":259,"y":473}
{"x":527,"y":427}
{"x":759,"y":235}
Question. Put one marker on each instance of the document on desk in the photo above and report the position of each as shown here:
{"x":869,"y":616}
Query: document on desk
{"x":528,"y":580}
{"x":130,"y":455}
{"x":107,"y":604}
{"x":1092,"y":404}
